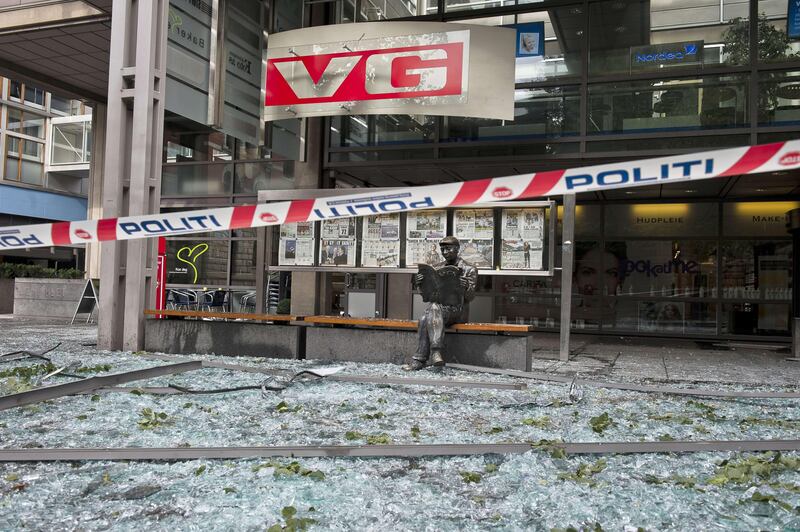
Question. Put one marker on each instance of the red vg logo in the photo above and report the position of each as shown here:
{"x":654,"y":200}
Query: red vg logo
{"x":378,"y":74}
{"x":502,"y":192}
{"x":790,"y":159}
{"x":80,"y":233}
{"x":269,"y":218}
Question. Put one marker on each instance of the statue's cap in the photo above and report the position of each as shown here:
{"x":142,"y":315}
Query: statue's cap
{"x":450,"y":241}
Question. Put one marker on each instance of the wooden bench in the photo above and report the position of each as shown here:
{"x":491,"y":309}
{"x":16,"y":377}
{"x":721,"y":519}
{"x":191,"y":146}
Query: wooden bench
{"x":385,"y":340}
{"x":222,"y":315}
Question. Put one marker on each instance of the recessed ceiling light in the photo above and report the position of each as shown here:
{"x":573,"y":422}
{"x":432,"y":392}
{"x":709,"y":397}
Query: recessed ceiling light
{"x":690,"y":190}
{"x":629,"y":192}
{"x":761,"y":190}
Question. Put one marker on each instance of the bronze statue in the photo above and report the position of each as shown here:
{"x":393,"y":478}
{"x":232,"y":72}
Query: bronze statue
{"x":448,"y":286}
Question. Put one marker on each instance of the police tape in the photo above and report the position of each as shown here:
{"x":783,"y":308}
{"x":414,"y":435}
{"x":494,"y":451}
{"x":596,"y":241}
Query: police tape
{"x":680,"y":168}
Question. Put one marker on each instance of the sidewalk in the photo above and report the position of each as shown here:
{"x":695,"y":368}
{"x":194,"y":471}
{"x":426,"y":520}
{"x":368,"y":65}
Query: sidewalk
{"x":629,"y":359}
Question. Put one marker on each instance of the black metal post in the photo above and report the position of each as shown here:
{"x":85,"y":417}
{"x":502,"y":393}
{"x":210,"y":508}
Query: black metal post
{"x":793,"y":225}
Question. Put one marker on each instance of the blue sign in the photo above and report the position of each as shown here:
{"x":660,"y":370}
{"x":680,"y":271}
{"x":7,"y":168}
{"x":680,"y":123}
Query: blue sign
{"x":530,"y":39}
{"x":793,"y":19}
{"x":652,"y":56}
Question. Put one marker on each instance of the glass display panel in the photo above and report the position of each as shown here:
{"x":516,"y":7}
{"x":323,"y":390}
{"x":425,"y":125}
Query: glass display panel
{"x":779,"y":98}
{"x":338,"y":242}
{"x":522,"y":233}
{"x":474,"y":228}
{"x":424,"y":230}
{"x":380,"y":241}
{"x":662,"y":317}
{"x":296,"y":245}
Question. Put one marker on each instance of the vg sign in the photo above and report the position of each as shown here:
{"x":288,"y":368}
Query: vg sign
{"x":391,"y":68}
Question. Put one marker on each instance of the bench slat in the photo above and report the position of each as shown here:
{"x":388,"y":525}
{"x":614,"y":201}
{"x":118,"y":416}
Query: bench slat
{"x":225,"y":315}
{"x":370,"y":322}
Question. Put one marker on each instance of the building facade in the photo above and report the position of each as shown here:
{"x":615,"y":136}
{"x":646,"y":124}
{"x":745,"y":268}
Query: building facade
{"x":618,"y":79}
{"x":44,"y":175}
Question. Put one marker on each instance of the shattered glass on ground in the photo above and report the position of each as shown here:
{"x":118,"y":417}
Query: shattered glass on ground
{"x":533,"y":491}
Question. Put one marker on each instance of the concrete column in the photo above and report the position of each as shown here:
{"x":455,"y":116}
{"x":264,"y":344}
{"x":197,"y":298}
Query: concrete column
{"x":398,"y":300}
{"x":308,"y":174}
{"x":132,"y":166}
{"x":95,"y":203}
{"x":567,"y":257}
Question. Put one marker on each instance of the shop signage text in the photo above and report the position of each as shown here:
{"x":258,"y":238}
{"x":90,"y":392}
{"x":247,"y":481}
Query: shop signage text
{"x":654,"y":270}
{"x":390,"y":68}
{"x":622,"y":176}
{"x":407,"y":72}
{"x":657,"y":55}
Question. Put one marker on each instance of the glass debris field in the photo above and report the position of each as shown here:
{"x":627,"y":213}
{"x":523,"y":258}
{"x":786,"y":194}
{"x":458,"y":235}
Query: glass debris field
{"x":539,"y":490}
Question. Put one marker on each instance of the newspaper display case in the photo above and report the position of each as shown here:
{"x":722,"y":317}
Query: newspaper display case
{"x":503,"y":238}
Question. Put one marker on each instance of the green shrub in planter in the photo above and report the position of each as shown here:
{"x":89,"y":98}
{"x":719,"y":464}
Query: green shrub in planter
{"x":284,"y":306}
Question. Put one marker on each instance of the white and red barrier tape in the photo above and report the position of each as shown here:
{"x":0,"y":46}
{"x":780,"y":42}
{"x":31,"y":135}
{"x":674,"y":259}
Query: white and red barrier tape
{"x":679,"y":168}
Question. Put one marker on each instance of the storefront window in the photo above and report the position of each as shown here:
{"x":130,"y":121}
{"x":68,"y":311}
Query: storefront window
{"x":377,"y":130}
{"x":777,"y":35}
{"x":243,"y":262}
{"x":197,"y":261}
{"x":469,"y":5}
{"x":680,"y":104}
{"x":538,"y":113}
{"x":251,"y":177}
{"x":755,"y":318}
{"x":757,"y":269}
{"x":374,"y":10}
{"x":662,"y":317}
{"x":630,"y":37}
{"x":779,"y":98}
{"x":196,"y":180}
{"x":183,"y":142}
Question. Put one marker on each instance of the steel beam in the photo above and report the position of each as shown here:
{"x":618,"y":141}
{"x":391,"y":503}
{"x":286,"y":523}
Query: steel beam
{"x":387,"y":451}
{"x":92,"y":383}
{"x":694,"y":392}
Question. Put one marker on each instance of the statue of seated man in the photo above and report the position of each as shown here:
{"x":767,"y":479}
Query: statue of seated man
{"x":440,"y":315}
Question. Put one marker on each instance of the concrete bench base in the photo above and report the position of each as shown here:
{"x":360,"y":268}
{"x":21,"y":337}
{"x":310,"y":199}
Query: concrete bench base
{"x":223,"y":338}
{"x":397,"y":347}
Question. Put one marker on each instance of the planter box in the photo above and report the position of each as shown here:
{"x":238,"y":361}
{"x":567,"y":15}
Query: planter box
{"x":47,"y":298}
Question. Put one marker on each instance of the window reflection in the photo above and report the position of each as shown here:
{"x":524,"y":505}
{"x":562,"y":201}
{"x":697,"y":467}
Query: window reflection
{"x":712,"y":102}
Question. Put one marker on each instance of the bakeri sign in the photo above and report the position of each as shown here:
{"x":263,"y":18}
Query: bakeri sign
{"x":391,"y":67}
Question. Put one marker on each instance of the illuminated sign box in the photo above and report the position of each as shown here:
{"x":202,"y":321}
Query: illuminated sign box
{"x":655,"y":56}
{"x":391,"y":68}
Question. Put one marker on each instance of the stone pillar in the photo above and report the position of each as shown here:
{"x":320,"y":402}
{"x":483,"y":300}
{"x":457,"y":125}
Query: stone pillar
{"x":132,"y":165}
{"x":398,"y":296}
{"x":95,"y":203}
{"x":308,"y":174}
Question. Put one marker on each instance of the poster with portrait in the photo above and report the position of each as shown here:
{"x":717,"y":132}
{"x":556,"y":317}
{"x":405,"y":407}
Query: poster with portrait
{"x":338,"y":242}
{"x":296,"y":244}
{"x":424,"y":230}
{"x":337,"y":252}
{"x":661,"y":316}
{"x":474,"y":228}
{"x":380,"y":243}
{"x":522,"y":233}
